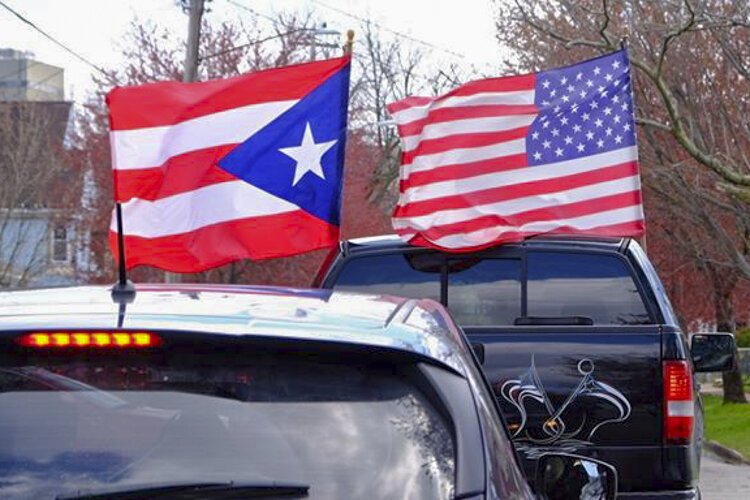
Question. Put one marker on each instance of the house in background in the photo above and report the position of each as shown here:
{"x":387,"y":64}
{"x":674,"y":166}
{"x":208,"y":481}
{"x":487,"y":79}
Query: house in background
{"x":24,"y":79}
{"x":41,"y":241}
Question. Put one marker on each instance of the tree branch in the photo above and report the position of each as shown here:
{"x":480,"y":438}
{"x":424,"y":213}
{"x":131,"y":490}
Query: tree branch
{"x":653,"y":123}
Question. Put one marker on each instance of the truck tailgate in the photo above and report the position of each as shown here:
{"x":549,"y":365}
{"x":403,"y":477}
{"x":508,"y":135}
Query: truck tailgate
{"x":595,"y":391}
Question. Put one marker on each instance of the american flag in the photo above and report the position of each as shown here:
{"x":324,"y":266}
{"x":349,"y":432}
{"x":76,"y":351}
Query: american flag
{"x":501,"y":159}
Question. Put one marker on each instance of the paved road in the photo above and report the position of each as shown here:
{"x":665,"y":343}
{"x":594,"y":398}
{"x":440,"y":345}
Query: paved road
{"x":722,"y":481}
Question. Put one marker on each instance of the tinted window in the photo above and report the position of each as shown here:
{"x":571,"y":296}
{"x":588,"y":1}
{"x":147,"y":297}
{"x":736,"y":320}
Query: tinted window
{"x":484,"y":292}
{"x":413,"y":275}
{"x":347,"y":431}
{"x":596,"y":286}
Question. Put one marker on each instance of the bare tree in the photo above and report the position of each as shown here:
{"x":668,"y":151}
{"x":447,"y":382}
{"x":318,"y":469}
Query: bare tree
{"x":689,"y":60}
{"x":388,"y":69}
{"x":690,"y":57}
{"x":692,"y":216}
{"x":386,"y":72}
{"x":664,"y":35}
{"x":227,"y":49}
{"x":31,"y":164}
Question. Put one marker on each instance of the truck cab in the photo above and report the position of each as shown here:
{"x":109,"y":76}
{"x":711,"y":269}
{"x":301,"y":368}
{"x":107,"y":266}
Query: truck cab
{"x":578,"y":340}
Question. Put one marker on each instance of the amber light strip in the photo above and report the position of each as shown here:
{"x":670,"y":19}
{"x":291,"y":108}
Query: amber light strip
{"x":89,"y":339}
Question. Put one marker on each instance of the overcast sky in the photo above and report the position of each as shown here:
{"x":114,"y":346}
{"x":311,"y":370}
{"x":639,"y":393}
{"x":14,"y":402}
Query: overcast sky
{"x":93,"y":27}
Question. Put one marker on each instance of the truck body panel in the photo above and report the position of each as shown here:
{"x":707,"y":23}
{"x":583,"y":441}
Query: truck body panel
{"x":574,"y":333}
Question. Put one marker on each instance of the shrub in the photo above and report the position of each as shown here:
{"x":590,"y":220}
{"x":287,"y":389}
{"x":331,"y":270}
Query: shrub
{"x":743,"y":337}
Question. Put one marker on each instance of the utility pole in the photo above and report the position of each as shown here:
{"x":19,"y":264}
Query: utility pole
{"x":315,"y":32}
{"x":194,"y":9}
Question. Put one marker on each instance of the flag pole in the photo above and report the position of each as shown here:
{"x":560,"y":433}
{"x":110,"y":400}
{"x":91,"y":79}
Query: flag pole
{"x":624,"y":46}
{"x":124,"y":290}
{"x":348,"y":49}
{"x":349,"y":46}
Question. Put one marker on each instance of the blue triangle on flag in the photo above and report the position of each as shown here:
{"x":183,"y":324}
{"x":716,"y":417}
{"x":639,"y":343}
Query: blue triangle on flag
{"x":299,"y":156}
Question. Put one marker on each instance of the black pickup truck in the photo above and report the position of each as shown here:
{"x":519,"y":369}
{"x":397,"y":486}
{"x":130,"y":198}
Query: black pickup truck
{"x":577,"y":337}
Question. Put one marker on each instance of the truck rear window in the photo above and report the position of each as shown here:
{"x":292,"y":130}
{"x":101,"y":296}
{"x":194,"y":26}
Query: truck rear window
{"x":488,"y":291}
{"x":595,"y":286}
{"x":412,"y":275}
{"x":87,"y":424}
{"x":484,"y":291}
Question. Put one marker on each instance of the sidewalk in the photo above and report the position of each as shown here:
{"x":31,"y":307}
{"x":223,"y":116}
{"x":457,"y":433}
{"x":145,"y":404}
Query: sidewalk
{"x":723,"y":481}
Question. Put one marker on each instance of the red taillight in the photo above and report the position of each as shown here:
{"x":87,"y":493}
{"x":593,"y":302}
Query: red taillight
{"x":89,"y":339}
{"x":679,"y":406}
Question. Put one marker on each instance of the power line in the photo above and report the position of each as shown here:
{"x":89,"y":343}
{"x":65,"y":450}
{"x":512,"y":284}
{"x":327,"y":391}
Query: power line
{"x":357,"y":18}
{"x":254,"y":42}
{"x":276,"y":23}
{"x":385,"y":28}
{"x":253,"y":11}
{"x":53,"y":39}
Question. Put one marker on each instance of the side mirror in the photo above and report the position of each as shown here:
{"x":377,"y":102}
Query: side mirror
{"x":561,"y":476}
{"x":713,"y":352}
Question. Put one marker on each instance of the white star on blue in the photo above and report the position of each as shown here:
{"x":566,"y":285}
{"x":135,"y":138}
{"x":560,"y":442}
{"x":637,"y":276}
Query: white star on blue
{"x":584,"y":109}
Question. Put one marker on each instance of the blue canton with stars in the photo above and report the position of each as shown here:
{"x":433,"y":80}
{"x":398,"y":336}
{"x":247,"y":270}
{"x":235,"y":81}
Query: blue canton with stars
{"x":299,"y":156}
{"x":584,"y":109}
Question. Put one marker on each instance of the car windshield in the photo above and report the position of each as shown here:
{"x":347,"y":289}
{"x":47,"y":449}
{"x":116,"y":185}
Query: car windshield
{"x":77,"y":424}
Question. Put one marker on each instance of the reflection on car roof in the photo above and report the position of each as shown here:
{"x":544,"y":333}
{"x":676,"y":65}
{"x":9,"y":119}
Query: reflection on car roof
{"x":377,"y":320}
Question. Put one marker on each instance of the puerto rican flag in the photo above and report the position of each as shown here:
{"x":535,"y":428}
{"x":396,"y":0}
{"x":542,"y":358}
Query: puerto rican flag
{"x":503,"y":159}
{"x":249,"y":167}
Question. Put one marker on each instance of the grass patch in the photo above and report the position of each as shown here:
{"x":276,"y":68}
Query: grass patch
{"x":742,"y":337}
{"x":728,"y":424}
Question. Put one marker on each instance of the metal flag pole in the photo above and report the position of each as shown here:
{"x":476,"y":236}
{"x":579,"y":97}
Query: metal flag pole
{"x":121,"y":264}
{"x":123,"y":291}
{"x":624,"y":46}
{"x":348,"y":48}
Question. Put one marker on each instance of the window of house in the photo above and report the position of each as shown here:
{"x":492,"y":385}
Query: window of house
{"x":60,"y":244}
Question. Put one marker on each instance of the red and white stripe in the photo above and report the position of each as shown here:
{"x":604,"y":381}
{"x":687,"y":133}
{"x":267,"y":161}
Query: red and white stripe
{"x":465,"y":182}
{"x":181,"y":211}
